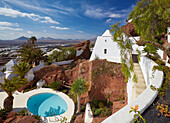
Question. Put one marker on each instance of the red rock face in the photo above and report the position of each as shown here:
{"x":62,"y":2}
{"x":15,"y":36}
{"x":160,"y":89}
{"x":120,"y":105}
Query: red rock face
{"x":106,"y":78}
{"x":98,"y":119}
{"x":130,"y":28}
{"x":21,"y":119}
{"x":11,"y":114}
{"x":82,"y":70}
{"x":79,"y":119}
{"x":82,"y":45}
{"x":86,"y":51}
{"x":103,"y":77}
{"x":51,"y":73}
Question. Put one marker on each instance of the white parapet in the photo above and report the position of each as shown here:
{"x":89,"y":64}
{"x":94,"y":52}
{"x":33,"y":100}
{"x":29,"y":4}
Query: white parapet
{"x":88,"y":114}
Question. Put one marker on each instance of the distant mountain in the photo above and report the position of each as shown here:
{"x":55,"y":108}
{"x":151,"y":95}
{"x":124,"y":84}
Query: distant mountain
{"x":46,"y":38}
{"x":23,"y":38}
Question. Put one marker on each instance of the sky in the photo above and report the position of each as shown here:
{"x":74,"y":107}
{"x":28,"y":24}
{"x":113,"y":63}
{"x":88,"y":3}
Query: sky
{"x":64,"y":19}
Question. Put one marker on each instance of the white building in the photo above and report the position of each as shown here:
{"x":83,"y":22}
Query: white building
{"x":106,"y":48}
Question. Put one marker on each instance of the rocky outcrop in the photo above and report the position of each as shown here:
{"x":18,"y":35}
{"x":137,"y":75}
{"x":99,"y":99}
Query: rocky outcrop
{"x":86,"y":51}
{"x":21,"y":119}
{"x":11,"y":114}
{"x":51,"y":73}
{"x":130,"y":28}
{"x":103,"y":78}
{"x":79,"y":119}
{"x":80,"y":71}
{"x":98,"y":119}
{"x":82,"y":45}
{"x":106,"y":78}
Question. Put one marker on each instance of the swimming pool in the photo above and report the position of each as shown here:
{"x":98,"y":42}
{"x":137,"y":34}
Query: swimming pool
{"x":46,"y":104}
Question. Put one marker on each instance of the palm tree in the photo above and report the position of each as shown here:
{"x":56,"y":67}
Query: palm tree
{"x":31,"y":54}
{"x":33,"y":39}
{"x":79,"y":87}
{"x":21,"y":69}
{"x":10,"y":86}
{"x":38,"y":56}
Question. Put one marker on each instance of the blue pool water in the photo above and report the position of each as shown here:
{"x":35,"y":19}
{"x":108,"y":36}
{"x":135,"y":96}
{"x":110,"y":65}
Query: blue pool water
{"x":46,"y":104}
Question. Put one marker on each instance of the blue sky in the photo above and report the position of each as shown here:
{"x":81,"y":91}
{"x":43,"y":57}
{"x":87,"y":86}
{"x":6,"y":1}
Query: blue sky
{"x":66,"y":19}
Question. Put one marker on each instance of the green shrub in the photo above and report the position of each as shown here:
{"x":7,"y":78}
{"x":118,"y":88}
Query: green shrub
{"x":94,"y":103}
{"x":37,"y":117}
{"x":97,"y":112}
{"x":111,"y":103}
{"x":93,"y":109}
{"x":3,"y":70}
{"x":71,"y":95}
{"x":23,"y":112}
{"x":82,"y":108}
{"x":73,"y":117}
{"x":64,"y":54}
{"x":3,"y":113}
{"x":106,"y":112}
{"x":101,"y":104}
{"x":55,"y":85}
{"x":64,"y":91}
{"x":63,"y":120}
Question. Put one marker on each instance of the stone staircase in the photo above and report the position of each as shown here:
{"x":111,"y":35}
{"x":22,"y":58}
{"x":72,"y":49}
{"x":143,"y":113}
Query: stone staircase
{"x":140,"y":86}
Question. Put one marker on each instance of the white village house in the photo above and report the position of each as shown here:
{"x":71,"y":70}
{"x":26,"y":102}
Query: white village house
{"x":105,"y":48}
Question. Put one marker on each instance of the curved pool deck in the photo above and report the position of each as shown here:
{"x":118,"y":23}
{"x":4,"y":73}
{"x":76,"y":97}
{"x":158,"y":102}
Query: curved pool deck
{"x":20,"y":102}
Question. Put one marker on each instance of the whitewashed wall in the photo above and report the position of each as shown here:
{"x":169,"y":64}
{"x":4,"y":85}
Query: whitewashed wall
{"x":106,"y":42}
{"x":146,"y":65}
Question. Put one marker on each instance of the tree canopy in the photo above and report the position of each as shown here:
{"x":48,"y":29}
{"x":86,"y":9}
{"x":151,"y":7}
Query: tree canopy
{"x":21,"y":69}
{"x":79,"y":87}
{"x":31,"y":53}
{"x":151,"y":19}
{"x":33,"y":39}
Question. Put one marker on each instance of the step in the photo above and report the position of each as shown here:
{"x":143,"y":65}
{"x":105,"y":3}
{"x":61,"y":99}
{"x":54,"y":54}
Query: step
{"x":139,"y":90}
{"x":137,"y":68}
{"x":138,"y":71}
{"x":141,"y":80}
{"x":141,"y":85}
{"x":140,"y":76}
{"x":135,"y":64}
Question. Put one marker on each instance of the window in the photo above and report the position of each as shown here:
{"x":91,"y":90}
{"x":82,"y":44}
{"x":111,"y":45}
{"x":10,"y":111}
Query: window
{"x":105,"y":40}
{"x":105,"y":51}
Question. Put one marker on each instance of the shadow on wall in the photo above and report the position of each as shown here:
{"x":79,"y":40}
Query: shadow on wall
{"x":53,"y":111}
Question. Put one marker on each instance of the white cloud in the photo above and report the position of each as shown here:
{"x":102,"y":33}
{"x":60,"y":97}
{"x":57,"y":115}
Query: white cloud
{"x":29,"y":32}
{"x":9,"y":28}
{"x":95,"y":13}
{"x":80,"y":31}
{"x":115,"y":15}
{"x":8,"y":24}
{"x":49,"y":20}
{"x":99,"y":13}
{"x":108,"y":20}
{"x":15,"y":13}
{"x":60,"y":28}
{"x":45,"y":30}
